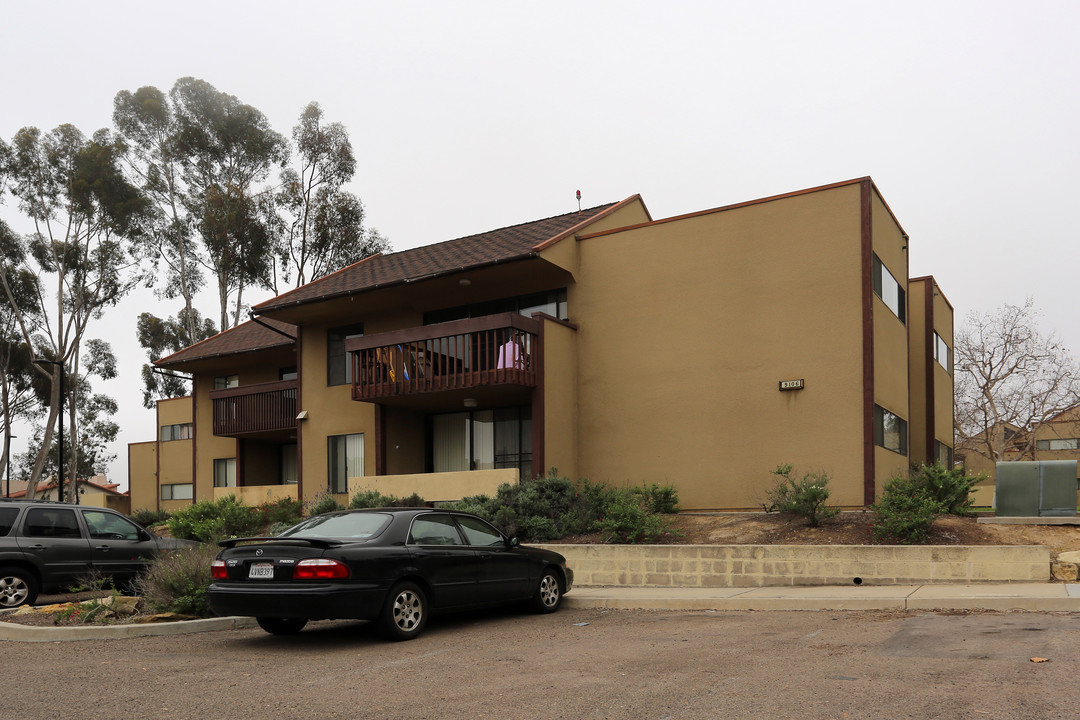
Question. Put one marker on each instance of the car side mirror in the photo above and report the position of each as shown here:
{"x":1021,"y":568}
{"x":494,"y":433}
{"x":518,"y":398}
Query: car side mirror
{"x":513,"y":542}
{"x":144,"y":535}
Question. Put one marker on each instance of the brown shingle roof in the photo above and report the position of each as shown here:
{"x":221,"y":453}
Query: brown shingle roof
{"x":501,"y":245}
{"x":245,"y":337}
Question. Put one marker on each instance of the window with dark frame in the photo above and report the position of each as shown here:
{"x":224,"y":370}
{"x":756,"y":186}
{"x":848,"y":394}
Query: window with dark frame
{"x":942,"y":353}
{"x":338,"y":367}
{"x":179,"y":431}
{"x":345,"y":459}
{"x":226,"y":381}
{"x":889,"y":290}
{"x":890,"y":431}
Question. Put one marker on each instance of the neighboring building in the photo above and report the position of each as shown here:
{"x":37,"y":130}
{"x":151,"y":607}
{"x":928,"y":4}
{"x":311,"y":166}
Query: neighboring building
{"x":1056,"y":439}
{"x":96,"y":491}
{"x":701,"y":350}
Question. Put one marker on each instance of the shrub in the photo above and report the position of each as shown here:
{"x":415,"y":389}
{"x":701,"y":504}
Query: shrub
{"x":149,"y":518}
{"x":375,"y":499}
{"x":177,"y":581}
{"x":282,"y":510}
{"x":803,"y":498}
{"x":663,"y":499}
{"x":905,"y":512}
{"x":950,"y":487}
{"x":323,"y":503}
{"x":550,"y":507}
{"x":628,"y":518}
{"x":212,"y":520}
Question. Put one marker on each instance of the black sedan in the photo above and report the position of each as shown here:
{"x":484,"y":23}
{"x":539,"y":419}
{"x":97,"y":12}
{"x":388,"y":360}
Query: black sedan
{"x":395,"y":566}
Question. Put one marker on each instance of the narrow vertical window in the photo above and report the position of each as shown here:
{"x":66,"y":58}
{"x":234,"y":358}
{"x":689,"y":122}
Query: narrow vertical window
{"x":345,"y":460}
{"x":890,"y":431}
{"x":889,"y":290}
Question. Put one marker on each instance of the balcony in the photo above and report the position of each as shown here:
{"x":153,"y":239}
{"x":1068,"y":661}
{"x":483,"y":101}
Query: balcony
{"x":253,"y":409}
{"x":459,"y":355}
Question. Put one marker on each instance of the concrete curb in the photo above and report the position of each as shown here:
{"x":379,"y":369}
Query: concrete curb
{"x":29,"y":633}
{"x":1031,"y":597}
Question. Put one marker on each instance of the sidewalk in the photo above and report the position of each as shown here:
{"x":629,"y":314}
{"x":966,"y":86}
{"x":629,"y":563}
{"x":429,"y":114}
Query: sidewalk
{"x":1035,"y":597}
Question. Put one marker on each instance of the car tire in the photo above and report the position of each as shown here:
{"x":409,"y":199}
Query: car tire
{"x":281,"y":626}
{"x":406,"y":611}
{"x":17,"y":587}
{"x":549,"y":592}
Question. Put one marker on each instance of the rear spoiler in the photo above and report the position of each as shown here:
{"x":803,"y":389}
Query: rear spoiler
{"x":312,"y":542}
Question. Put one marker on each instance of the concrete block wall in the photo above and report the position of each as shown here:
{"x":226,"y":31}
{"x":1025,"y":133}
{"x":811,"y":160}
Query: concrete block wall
{"x":790,"y":565}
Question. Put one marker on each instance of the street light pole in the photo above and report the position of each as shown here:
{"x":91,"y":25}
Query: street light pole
{"x":60,"y":459}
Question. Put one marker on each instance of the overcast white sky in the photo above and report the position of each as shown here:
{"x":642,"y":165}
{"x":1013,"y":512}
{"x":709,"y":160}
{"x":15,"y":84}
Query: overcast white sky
{"x":469,"y":116}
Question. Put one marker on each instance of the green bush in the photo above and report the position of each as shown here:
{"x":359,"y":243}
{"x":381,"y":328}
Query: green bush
{"x":905,"y":512}
{"x":663,"y":499}
{"x":212,"y":520}
{"x":177,"y":581}
{"x":803,"y":498}
{"x":375,"y":499}
{"x":950,"y":487}
{"x":550,"y":507}
{"x":149,"y":518}
{"x":282,"y":510}
{"x":323,"y":503}
{"x":629,"y":518}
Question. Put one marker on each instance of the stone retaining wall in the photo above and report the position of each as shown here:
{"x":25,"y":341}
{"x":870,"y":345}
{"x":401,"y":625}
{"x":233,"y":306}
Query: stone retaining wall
{"x":780,"y":565}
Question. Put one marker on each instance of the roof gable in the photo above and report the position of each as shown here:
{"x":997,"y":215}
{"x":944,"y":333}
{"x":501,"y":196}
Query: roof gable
{"x":245,"y":337}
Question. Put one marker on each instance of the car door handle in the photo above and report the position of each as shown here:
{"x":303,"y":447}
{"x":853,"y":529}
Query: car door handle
{"x":101,"y":547}
{"x":485,"y":556}
{"x":35,"y":547}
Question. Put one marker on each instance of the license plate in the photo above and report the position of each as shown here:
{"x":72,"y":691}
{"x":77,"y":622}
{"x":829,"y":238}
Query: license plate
{"x":261,"y":571}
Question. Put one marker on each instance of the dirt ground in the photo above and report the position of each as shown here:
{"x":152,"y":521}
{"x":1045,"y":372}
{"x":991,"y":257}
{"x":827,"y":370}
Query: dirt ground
{"x":851,"y":528}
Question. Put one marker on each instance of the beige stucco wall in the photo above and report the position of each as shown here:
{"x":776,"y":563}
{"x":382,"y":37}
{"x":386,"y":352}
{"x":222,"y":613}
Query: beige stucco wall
{"x":142,"y":475}
{"x":944,"y":388}
{"x":560,"y":399}
{"x":437,"y":487}
{"x":891,"y":355}
{"x":688,"y":394}
{"x":917,"y":359}
{"x":258,"y":494}
{"x":331,"y":410}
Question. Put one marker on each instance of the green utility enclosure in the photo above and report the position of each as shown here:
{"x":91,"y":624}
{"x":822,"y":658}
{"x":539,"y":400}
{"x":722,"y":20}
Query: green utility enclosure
{"x":1044,"y":488}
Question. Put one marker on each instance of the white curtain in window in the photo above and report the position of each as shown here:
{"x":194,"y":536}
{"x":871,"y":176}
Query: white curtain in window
{"x":354,"y":455}
{"x":483,"y":428}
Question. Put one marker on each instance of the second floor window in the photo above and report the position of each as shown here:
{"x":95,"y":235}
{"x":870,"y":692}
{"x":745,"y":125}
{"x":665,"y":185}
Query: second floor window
{"x":1058,"y":444}
{"x":890,"y":291}
{"x":226,"y":381}
{"x":338,"y":367}
{"x":941,"y":353}
{"x":182,"y":431}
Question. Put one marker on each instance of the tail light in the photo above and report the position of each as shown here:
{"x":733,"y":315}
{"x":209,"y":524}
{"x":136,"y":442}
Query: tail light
{"x":320,"y":569}
{"x":218,"y":571}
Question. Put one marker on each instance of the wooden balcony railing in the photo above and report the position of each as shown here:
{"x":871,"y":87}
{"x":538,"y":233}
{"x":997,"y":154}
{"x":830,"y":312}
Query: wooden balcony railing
{"x":490,"y":350}
{"x":255,"y":408}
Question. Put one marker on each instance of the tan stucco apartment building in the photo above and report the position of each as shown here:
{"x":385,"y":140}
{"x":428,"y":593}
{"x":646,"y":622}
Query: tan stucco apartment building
{"x":701,"y":350}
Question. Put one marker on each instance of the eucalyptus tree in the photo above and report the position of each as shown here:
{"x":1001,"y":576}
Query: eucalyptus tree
{"x":78,"y":260}
{"x":226,"y":150}
{"x":163,"y":337}
{"x":323,"y":227}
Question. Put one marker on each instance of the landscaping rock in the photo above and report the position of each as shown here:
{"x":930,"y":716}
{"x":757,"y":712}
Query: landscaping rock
{"x":120,"y":604}
{"x":1065,"y":571}
{"x":1070,"y":557}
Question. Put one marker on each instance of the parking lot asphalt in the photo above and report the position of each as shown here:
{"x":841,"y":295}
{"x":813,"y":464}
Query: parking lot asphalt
{"x":1030,"y":597}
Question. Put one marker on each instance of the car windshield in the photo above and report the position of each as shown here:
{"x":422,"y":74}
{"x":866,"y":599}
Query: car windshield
{"x":355,"y":526}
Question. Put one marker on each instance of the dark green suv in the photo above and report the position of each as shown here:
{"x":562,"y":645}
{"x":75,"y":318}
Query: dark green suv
{"x":49,"y":546}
